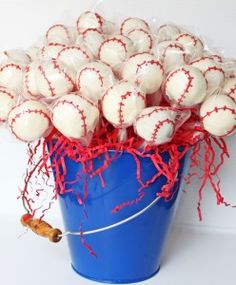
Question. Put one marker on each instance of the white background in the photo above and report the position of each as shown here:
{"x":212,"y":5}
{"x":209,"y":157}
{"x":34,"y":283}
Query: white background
{"x":22,"y":22}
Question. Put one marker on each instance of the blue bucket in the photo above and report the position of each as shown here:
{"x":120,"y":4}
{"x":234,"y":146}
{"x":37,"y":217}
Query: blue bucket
{"x":128,"y":244}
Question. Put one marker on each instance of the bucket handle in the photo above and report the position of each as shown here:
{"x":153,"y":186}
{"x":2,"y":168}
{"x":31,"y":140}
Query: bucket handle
{"x":115,"y":224}
{"x":43,"y":229}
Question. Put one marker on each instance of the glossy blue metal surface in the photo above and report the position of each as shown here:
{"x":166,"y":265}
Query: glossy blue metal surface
{"x":130,"y":252}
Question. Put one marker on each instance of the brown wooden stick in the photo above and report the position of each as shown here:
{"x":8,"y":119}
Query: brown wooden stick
{"x":41,"y":228}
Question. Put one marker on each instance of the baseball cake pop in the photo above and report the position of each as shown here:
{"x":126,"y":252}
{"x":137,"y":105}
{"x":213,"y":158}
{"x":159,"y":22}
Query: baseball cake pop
{"x":130,"y":24}
{"x":167,"y":32}
{"x":54,"y":78}
{"x":122,"y":103}
{"x":74,"y":57}
{"x":75,"y":116}
{"x":218,"y":115}
{"x":61,"y":34}
{"x":29,"y":121}
{"x":185,"y":86}
{"x":171,"y":54}
{"x":115,"y":50}
{"x":142,"y":40}
{"x":192,"y":44}
{"x":212,"y":71}
{"x":156,"y":124}
{"x":92,"y":39}
{"x":90,"y":20}
{"x":11,"y":75}
{"x":145,"y":70}
{"x":93,"y":79}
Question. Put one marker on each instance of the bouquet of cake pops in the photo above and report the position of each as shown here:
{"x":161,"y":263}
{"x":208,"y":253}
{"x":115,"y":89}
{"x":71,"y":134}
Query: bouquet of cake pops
{"x":133,"y":86}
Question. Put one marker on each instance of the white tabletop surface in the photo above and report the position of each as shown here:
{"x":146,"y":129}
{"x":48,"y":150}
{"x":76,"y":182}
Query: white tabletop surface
{"x":192,"y":257}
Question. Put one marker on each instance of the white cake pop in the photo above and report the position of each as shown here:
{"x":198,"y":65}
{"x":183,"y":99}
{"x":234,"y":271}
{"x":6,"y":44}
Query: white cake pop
{"x":61,"y":34}
{"x":33,"y":52}
{"x":75,"y":116}
{"x":92,"y":40}
{"x":7,"y":101}
{"x":115,"y":50}
{"x":185,"y":86}
{"x":141,"y":39}
{"x":122,"y":103}
{"x":54,"y":78}
{"x":167,"y":32}
{"x":145,"y":70}
{"x":156,"y":124}
{"x":171,"y":54}
{"x":93,"y":79}
{"x":29,"y":121}
{"x":15,"y":55}
{"x":229,"y":88}
{"x":218,"y":115}
{"x":192,"y":44}
{"x":130,"y":24}
{"x":212,"y":71}
{"x":11,"y":75}
{"x":50,"y":51}
{"x":30,"y":85}
{"x":90,"y":20}
{"x":74,"y":57}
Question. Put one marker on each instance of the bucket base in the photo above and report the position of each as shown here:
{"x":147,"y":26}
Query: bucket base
{"x":126,"y":281}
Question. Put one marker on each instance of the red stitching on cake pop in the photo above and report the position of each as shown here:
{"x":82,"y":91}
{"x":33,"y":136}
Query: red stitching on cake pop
{"x":140,"y":53}
{"x":73,"y":48}
{"x":216,"y":110}
{"x":146,"y":33}
{"x":80,"y":111}
{"x":146,"y":63}
{"x":232,"y":90}
{"x":50,"y":87}
{"x":155,"y":110}
{"x":93,"y":69}
{"x":130,"y":18}
{"x":201,"y":59}
{"x":6,"y":92}
{"x":60,"y":26}
{"x":218,"y":58}
{"x":168,"y":25}
{"x":29,"y":111}
{"x":214,"y":68}
{"x":51,"y":44}
{"x":16,"y":66}
{"x":188,"y":86}
{"x":26,"y":80}
{"x":99,"y":19}
{"x":121,"y":104}
{"x":67,"y":77}
{"x":93,"y":30}
{"x":193,"y":38}
{"x":113,"y":39}
{"x":174,"y":46}
{"x":158,"y":126}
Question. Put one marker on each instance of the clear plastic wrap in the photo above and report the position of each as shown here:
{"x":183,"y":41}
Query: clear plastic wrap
{"x":76,"y":117}
{"x":158,"y":125}
{"x":218,"y":115}
{"x":131,"y":86}
{"x":29,"y":121}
